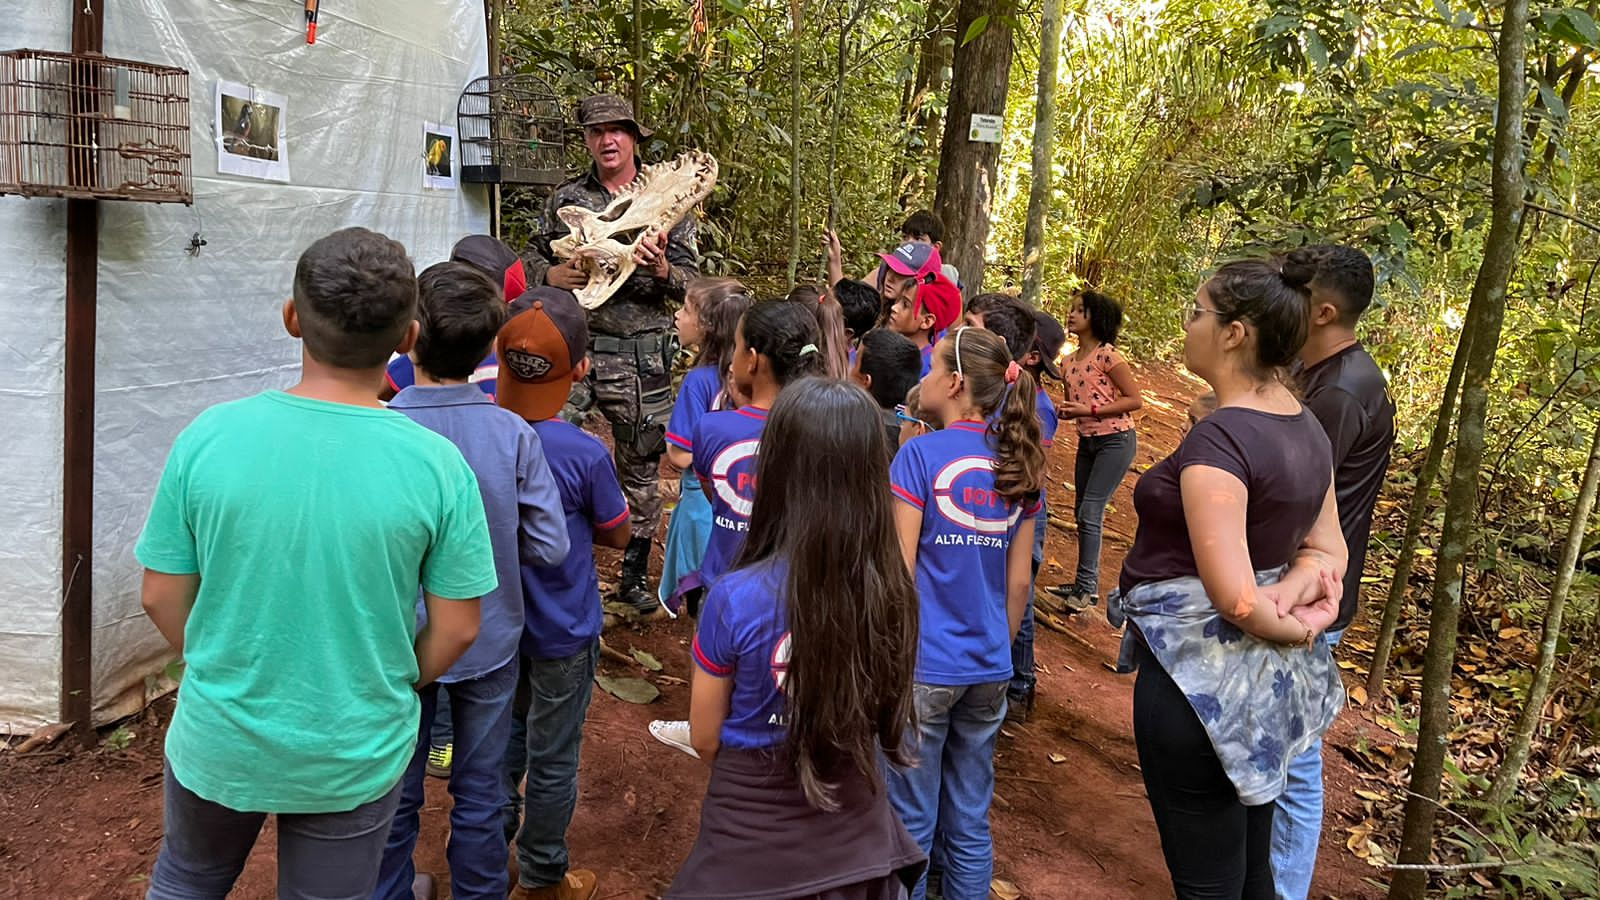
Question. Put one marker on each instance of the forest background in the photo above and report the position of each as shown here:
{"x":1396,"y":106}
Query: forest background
{"x":1186,"y":133}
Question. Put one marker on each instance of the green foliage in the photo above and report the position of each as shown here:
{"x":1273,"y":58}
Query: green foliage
{"x":727,"y":91}
{"x":1545,"y":840}
{"x":119,"y":740}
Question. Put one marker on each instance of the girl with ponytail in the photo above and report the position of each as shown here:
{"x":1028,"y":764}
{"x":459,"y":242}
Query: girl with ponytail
{"x":804,"y":656}
{"x":707,"y":321}
{"x":965,"y":521}
{"x":775,"y":343}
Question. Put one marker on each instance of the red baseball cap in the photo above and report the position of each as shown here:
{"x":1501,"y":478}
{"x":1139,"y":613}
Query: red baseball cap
{"x":941,"y":297}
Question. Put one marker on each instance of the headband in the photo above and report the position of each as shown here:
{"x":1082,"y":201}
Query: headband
{"x":959,"y":332}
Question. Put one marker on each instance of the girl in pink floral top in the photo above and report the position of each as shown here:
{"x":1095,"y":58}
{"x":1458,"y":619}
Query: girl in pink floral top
{"x":1100,"y":396}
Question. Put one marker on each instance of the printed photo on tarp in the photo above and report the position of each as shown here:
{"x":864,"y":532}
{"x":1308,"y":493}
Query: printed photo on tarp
{"x":438,"y":157}
{"x":252,"y":136}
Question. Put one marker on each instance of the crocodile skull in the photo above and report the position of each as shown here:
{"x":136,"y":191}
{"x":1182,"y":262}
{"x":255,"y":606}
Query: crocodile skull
{"x":603,"y":242}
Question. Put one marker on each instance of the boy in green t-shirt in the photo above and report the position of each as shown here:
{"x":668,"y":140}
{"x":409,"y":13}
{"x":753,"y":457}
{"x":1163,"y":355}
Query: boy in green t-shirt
{"x":283,"y":556}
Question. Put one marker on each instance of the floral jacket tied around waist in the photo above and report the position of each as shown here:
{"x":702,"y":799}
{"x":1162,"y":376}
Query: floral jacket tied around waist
{"x":1262,"y":704}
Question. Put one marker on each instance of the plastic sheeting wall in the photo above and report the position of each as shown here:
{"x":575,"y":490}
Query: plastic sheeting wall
{"x":178,"y":333}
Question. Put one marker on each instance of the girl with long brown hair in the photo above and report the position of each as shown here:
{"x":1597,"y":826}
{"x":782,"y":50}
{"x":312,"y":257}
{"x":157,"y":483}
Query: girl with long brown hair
{"x":805,"y":651}
{"x":969,"y":495}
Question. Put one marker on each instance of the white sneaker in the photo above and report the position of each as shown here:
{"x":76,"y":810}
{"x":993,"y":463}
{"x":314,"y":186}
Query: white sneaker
{"x":673,"y":733}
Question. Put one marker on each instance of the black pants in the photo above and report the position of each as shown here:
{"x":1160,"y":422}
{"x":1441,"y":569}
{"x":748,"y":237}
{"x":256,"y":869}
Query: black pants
{"x":1215,"y":846}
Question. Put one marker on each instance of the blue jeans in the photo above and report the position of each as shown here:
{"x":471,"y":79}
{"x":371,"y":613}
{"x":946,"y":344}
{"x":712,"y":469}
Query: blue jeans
{"x":557,"y":693}
{"x":1101,"y":463}
{"x":951,"y":786}
{"x":443,"y":723}
{"x":481,"y":710}
{"x":204,"y":846}
{"x":1023,"y":677}
{"x":1297,"y":822}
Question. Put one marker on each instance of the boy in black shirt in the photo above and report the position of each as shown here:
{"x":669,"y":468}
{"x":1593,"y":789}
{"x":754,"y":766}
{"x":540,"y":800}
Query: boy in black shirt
{"x":1344,"y":388}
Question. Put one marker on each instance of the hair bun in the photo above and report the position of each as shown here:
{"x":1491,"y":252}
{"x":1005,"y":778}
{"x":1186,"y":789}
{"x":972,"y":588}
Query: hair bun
{"x":1298,"y":269}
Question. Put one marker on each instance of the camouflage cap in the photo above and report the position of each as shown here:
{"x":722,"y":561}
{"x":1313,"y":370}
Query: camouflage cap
{"x":598,"y":109}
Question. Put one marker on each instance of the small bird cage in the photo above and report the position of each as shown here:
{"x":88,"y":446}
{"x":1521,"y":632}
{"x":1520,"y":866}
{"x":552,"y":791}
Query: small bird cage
{"x":87,"y":126}
{"x":513,"y":130}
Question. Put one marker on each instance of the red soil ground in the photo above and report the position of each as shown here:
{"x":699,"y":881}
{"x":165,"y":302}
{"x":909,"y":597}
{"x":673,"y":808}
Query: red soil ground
{"x":88,"y":824}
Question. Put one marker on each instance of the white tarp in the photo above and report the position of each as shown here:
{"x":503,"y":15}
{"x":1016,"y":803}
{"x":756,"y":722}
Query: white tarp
{"x":178,"y":333}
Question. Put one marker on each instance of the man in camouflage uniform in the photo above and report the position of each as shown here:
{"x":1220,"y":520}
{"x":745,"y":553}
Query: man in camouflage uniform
{"x":631,"y":338}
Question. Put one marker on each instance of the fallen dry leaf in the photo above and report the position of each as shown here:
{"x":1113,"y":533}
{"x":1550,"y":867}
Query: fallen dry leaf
{"x":1000,"y":889}
{"x":631,"y":690}
{"x":1358,"y":695}
{"x":1057,"y":758}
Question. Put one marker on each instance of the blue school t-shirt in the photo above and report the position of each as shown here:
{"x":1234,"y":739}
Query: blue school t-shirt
{"x":696,"y":396}
{"x":743,"y":634}
{"x":927,"y":360}
{"x":1048,"y":420}
{"x":562,"y":602}
{"x":402,"y":373}
{"x":967,"y":529}
{"x":725,"y":459}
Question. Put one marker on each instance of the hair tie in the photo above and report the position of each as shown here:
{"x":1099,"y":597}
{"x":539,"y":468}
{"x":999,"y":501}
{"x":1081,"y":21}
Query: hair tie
{"x":1012,"y":371}
{"x":809,"y":348}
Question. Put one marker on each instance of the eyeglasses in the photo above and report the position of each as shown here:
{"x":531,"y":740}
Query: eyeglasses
{"x":1196,"y":312}
{"x":905,"y":417}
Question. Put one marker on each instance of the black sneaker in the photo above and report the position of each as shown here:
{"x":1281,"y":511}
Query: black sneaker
{"x":1019,"y":709}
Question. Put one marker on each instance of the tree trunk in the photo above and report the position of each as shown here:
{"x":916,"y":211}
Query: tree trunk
{"x":1505,"y":779}
{"x":1044,"y":143}
{"x":933,"y":58}
{"x":847,"y":25}
{"x":797,"y":13}
{"x":1415,"y":516}
{"x":1461,"y":506}
{"x":967,"y":169}
{"x":638,"y":60}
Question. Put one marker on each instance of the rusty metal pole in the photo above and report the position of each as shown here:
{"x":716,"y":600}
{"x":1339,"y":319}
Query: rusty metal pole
{"x":77,"y":481}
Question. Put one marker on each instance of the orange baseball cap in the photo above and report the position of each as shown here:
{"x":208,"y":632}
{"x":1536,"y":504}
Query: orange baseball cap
{"x":538,"y":350}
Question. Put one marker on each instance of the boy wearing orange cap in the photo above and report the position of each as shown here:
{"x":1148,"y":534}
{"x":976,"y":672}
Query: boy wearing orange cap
{"x":542,"y":351}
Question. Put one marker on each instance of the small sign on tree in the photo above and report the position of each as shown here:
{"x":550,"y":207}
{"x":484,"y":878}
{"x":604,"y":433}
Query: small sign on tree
{"x":985,"y":129}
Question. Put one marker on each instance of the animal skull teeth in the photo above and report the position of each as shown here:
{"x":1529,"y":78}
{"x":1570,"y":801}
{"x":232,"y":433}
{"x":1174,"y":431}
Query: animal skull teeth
{"x":605,"y":241}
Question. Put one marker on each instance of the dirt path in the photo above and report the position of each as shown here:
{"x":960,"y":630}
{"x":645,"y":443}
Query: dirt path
{"x":88,"y":825}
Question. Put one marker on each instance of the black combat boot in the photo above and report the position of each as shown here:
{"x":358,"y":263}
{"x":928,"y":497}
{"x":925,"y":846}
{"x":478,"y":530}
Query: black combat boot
{"x":635,"y":588}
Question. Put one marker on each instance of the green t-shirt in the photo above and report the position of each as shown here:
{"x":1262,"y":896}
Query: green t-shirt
{"x":311,"y":524}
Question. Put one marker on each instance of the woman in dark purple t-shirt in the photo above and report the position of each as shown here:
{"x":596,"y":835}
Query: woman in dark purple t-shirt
{"x":1248,"y":490}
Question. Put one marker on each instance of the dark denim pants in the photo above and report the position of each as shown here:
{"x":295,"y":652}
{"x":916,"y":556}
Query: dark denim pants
{"x":1101,"y":463}
{"x":544,"y":744}
{"x":327,"y":856}
{"x":950,"y":788}
{"x":480,"y":709}
{"x":1023,"y":678}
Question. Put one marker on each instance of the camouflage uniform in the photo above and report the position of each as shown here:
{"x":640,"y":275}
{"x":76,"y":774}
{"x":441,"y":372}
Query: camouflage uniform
{"x":632,"y":344}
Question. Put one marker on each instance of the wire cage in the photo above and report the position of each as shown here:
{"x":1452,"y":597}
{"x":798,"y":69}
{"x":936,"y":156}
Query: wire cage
{"x":513,"y":130}
{"x":88,"y":126}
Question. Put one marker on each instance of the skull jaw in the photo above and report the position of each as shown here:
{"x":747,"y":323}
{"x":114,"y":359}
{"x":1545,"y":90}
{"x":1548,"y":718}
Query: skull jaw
{"x":608,"y":264}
